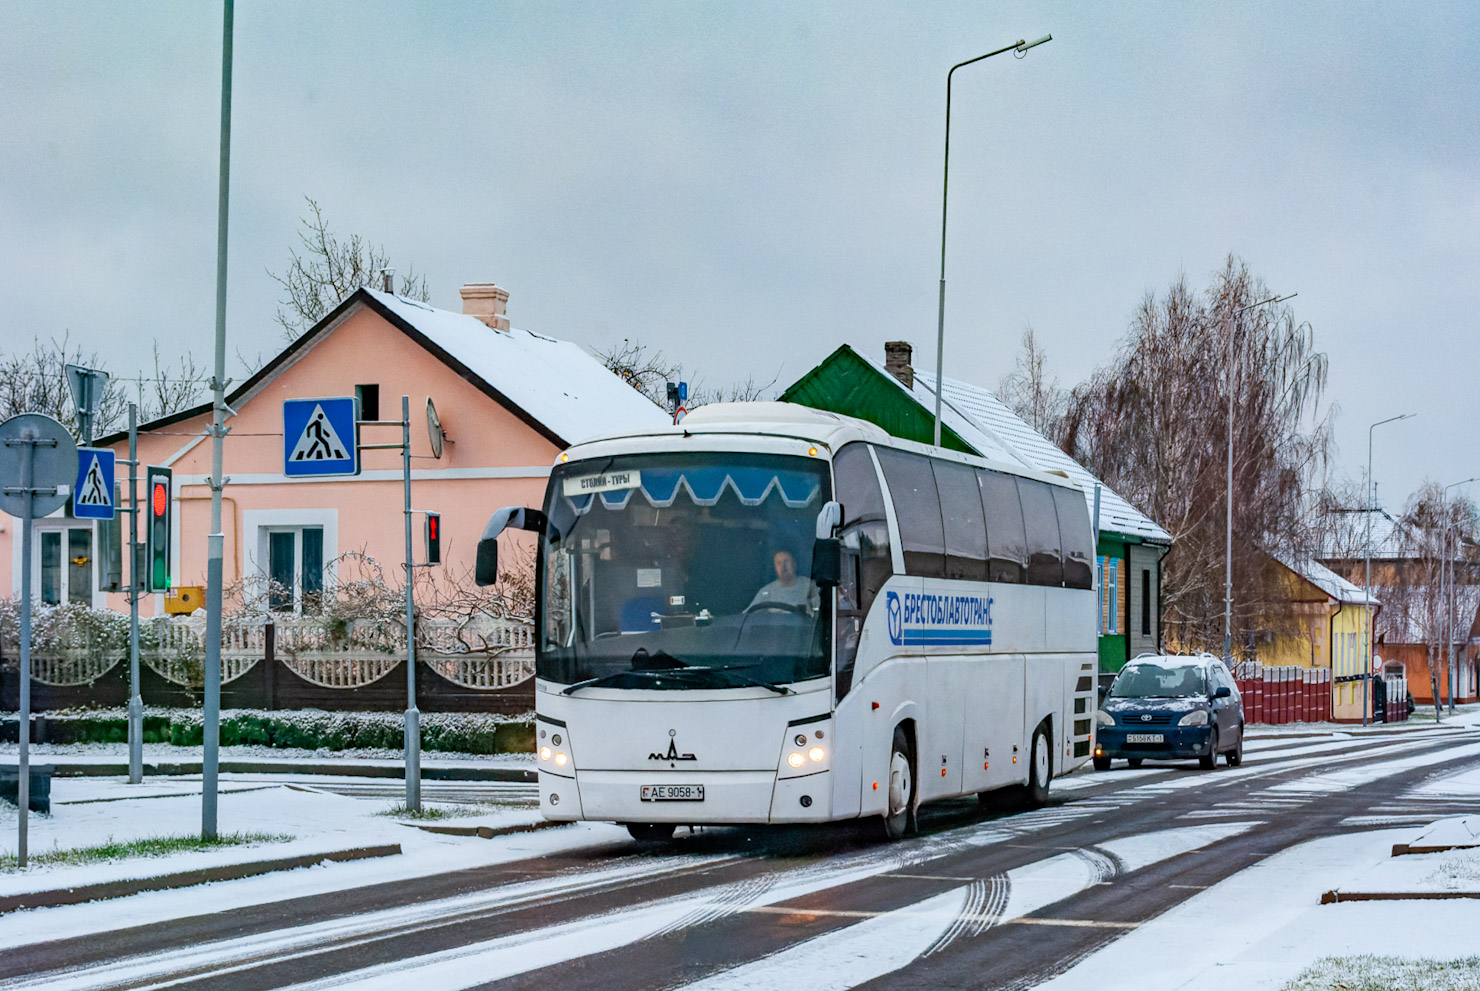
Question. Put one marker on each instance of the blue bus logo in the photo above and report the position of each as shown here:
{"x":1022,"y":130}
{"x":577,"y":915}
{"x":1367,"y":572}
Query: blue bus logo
{"x":921,"y":618}
{"x":896,"y":618}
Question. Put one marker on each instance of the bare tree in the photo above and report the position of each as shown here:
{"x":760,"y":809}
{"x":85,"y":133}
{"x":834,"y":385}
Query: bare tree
{"x":649,"y":370}
{"x":1029,"y":391}
{"x":328,"y":270}
{"x":1153,"y":424}
{"x":35,"y":381}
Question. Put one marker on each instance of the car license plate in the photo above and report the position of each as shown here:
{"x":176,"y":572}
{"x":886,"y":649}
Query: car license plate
{"x":1144,"y":738}
{"x":673,"y":793}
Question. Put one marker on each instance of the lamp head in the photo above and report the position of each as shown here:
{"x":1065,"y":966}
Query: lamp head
{"x":1023,"y":46}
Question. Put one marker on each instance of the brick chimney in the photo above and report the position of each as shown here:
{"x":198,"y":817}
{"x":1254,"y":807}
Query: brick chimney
{"x":897,"y":356}
{"x":487,"y":302}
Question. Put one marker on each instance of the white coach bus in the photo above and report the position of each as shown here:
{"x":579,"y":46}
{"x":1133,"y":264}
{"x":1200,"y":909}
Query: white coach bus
{"x":772,"y":614}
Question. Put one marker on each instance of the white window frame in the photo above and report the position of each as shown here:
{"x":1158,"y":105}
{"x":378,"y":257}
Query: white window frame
{"x":58,"y":522}
{"x":257,"y":524}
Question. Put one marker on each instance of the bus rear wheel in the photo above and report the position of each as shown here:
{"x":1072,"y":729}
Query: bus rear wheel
{"x":651,"y":832}
{"x":901,"y":784}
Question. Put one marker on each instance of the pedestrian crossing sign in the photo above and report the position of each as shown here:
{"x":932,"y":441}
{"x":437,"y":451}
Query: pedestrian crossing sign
{"x":319,"y":437}
{"x":92,"y":497}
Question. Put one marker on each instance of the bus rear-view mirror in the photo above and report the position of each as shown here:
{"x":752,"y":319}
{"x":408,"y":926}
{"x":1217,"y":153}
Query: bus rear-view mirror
{"x":485,"y":567}
{"x":827,"y":562}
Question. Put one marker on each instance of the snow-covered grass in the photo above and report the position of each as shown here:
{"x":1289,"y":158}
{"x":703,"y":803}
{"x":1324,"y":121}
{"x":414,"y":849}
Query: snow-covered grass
{"x":1372,"y":973}
{"x":147,"y":846}
{"x":1455,"y":871}
{"x":432,"y":813}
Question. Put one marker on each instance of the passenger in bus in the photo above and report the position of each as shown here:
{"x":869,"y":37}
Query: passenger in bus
{"x":789,"y":588}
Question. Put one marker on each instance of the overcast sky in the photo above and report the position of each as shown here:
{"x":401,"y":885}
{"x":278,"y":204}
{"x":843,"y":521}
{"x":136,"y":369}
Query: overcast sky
{"x":747,"y":186}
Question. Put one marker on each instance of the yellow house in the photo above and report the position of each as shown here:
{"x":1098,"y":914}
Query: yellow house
{"x":1325,"y":622}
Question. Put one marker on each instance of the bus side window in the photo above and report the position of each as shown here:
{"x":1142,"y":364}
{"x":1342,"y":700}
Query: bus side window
{"x":961,"y":513}
{"x":917,"y":508}
{"x":1077,"y":541}
{"x":1040,"y":519}
{"x":1005,"y":536}
{"x":867,"y":560}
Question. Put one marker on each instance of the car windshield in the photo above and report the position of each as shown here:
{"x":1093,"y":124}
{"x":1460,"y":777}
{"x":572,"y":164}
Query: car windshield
{"x":683,"y":571}
{"x":1156,"y":681}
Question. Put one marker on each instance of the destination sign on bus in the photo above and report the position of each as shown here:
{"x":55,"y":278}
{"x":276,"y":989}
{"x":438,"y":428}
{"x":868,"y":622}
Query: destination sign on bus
{"x":611,"y":481}
{"x":918,"y":618}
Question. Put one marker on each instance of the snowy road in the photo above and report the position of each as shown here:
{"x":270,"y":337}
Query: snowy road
{"x":983,"y":898}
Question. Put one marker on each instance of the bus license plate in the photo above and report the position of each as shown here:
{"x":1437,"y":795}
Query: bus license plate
{"x":1144,"y":738}
{"x":673,"y":793}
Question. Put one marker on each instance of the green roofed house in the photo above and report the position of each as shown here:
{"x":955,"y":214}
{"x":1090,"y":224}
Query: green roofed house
{"x":974,"y":421}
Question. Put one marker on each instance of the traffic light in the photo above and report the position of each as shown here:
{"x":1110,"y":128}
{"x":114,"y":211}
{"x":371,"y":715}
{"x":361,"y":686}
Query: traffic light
{"x":434,"y":538}
{"x":158,"y":511}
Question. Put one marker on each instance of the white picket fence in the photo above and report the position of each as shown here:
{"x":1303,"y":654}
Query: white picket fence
{"x":481,"y":651}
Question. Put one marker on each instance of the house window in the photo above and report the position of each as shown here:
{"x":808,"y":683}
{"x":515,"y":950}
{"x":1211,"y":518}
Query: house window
{"x":64,"y":561}
{"x":369,"y":397}
{"x":295,"y":568}
{"x":1109,"y":569}
{"x":1146,"y":602}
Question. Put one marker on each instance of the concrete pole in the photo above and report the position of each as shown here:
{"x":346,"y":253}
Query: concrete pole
{"x":135,"y":589}
{"x":216,"y":540}
{"x":413,"y":717}
{"x":23,"y":726}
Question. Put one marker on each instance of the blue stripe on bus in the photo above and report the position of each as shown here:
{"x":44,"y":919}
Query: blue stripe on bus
{"x":946,"y":637}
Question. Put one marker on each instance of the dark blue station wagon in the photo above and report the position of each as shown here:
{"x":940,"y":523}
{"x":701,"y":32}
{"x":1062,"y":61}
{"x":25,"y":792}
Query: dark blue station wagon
{"x":1171,"y":707}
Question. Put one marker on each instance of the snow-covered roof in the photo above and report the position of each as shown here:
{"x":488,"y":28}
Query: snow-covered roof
{"x":1330,"y":582}
{"x":556,"y":382}
{"x":1347,"y":539}
{"x":985,"y":422}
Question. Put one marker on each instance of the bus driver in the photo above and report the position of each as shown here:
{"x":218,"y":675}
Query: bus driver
{"x":788,"y":588}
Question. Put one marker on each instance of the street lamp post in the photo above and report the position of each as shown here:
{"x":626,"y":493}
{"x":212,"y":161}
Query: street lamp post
{"x":1447,"y":565}
{"x":1228,"y":535}
{"x":1018,"y":47}
{"x":1367,"y":586}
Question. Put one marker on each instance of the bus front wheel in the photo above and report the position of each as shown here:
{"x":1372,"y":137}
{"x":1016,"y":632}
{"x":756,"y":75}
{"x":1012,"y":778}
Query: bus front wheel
{"x":1040,"y":767}
{"x":901,"y":782}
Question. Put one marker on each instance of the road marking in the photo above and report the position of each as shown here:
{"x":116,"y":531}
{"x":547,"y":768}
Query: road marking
{"x":935,"y":877}
{"x":843,"y":913}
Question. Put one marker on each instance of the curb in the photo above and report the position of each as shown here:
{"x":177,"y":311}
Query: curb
{"x":485,"y":832}
{"x":1332,"y":897}
{"x":516,"y":774}
{"x":185,"y":879}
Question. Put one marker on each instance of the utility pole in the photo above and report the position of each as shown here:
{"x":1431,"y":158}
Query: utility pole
{"x":217,"y":540}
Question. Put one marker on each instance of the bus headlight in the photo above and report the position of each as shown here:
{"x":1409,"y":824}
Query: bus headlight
{"x":1104,"y":718}
{"x":805,"y":749}
{"x":554,"y":751}
{"x":1198,"y":717}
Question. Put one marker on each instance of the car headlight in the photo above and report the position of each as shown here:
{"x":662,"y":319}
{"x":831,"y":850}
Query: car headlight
{"x":1198,"y":717}
{"x":1104,"y":718}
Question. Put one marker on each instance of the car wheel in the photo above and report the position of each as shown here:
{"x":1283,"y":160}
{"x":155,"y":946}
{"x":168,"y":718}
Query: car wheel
{"x":1235,"y":757}
{"x":1040,"y":768}
{"x":1209,"y":760}
{"x":901,"y":795}
{"x":1134,"y":761}
{"x":1102,"y":763}
{"x":651,"y":832}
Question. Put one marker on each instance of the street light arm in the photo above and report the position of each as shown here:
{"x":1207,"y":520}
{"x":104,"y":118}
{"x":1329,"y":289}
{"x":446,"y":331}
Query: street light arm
{"x":1018,"y":47}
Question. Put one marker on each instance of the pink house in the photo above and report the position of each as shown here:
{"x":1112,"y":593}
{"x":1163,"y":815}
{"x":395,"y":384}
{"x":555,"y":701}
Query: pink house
{"x":508,"y":400}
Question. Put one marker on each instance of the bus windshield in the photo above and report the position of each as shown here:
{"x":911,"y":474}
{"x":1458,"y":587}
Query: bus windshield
{"x":678,"y":571}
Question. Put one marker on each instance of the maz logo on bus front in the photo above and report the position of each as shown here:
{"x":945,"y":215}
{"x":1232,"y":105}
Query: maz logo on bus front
{"x":921,"y":618}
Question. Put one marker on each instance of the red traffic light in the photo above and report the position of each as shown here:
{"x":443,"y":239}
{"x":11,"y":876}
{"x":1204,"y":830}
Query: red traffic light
{"x":159,"y":499}
{"x":432,"y":527}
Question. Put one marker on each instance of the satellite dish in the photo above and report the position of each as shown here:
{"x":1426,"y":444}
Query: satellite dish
{"x":434,"y":429}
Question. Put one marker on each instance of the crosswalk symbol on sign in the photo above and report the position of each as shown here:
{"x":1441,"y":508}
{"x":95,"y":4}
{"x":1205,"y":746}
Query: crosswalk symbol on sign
{"x":319,"y":441}
{"x":319,"y":437}
{"x":92,"y":497}
{"x":93,"y":493}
